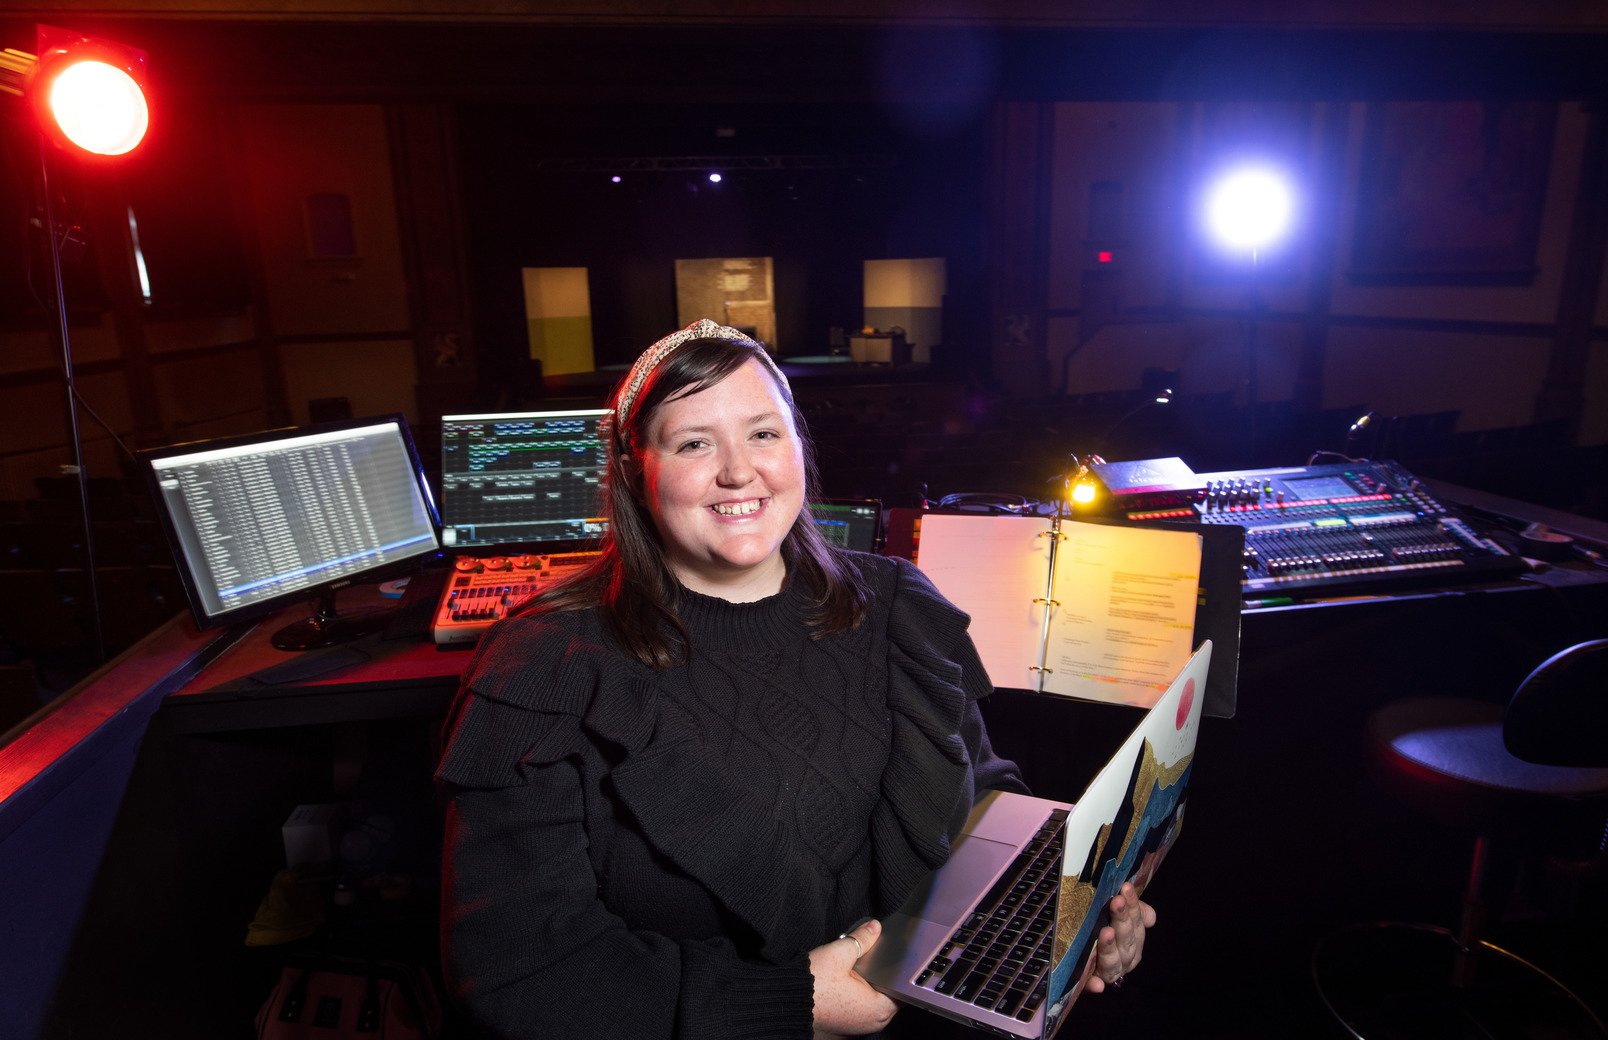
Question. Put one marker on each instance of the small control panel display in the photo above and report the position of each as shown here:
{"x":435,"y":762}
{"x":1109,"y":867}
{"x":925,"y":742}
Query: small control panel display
{"x":1307,"y":489}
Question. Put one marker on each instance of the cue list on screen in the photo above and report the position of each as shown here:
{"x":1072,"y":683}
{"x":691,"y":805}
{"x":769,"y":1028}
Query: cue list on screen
{"x":260,"y":520}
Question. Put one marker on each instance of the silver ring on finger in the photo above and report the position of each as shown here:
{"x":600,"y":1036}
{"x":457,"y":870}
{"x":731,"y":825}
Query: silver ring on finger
{"x":860,"y":950}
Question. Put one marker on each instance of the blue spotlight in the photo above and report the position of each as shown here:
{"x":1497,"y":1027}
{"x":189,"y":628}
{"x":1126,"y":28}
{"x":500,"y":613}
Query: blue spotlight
{"x":1249,"y":208}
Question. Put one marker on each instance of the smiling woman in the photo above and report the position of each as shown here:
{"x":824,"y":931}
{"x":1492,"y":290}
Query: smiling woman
{"x":723,"y":478}
{"x":679,"y":781}
{"x":730,"y":408}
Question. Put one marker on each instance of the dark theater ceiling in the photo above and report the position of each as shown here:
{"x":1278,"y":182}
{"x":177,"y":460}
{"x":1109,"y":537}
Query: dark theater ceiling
{"x":828,"y":51}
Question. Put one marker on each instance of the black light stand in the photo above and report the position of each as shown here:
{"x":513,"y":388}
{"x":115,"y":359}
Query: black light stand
{"x":72,"y":401}
{"x":1253,"y":303}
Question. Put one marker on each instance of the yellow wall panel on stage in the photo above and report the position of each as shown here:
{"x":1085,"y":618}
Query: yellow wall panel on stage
{"x":561,"y":344}
{"x":558,"y":316}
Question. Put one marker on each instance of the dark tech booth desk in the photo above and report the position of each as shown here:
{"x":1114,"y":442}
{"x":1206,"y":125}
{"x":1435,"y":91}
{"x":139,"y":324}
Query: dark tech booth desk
{"x":140,"y":825}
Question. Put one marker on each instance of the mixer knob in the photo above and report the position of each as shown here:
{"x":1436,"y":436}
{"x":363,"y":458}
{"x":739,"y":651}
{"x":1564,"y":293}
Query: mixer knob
{"x":497,"y":563}
{"x":466,"y":565}
{"x":527,"y":562}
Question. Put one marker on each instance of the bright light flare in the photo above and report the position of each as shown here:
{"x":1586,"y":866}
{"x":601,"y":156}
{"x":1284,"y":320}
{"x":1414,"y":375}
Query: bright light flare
{"x":1249,"y":208}
{"x":99,"y":107}
{"x":714,"y":178}
{"x":1083,"y":492}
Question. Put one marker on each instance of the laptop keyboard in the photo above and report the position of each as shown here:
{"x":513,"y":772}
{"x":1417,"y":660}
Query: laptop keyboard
{"x":998,"y":957}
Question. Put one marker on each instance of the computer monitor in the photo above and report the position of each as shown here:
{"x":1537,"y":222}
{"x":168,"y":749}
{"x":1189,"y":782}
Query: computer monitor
{"x":852,"y":523}
{"x":525,"y":479}
{"x":261,"y":521}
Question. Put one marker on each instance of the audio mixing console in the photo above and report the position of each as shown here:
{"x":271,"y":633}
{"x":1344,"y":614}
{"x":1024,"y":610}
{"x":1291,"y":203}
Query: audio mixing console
{"x":482,"y":591}
{"x":1329,"y":528}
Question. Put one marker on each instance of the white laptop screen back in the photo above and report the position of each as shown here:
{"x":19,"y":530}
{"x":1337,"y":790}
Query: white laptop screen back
{"x":1124,"y":823}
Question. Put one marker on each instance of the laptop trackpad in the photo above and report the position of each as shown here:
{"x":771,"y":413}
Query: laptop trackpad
{"x":951,"y":890}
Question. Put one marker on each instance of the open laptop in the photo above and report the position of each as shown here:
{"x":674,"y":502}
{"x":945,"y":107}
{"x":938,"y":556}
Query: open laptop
{"x":1000,"y":936}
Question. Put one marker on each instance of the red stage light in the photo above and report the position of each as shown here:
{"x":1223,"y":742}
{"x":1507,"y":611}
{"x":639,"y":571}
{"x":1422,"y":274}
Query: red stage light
{"x":87,"y":92}
{"x":99,"y":108}
{"x":1105,"y":258}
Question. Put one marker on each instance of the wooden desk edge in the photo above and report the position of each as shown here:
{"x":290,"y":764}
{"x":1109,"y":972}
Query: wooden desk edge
{"x":31,"y":747}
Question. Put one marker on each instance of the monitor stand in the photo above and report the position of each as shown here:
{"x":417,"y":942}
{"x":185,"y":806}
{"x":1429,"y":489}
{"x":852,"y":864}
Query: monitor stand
{"x":328,"y":628}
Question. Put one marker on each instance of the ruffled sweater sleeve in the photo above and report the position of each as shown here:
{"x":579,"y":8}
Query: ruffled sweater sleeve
{"x":528,"y":945}
{"x":922,"y":614}
{"x":941,"y":757}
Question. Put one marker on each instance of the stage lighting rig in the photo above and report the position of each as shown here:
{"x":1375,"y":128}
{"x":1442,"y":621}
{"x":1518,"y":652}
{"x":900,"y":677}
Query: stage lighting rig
{"x":87,"y":94}
{"x":88,"y":100}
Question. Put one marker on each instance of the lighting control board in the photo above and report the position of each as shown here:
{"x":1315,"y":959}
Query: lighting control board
{"x":484,"y":590}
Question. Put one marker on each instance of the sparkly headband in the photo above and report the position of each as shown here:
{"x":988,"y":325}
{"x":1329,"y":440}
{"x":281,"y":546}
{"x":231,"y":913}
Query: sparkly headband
{"x":703,"y":328}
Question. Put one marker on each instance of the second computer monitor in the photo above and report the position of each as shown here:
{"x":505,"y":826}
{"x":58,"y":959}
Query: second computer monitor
{"x":526,"y":479}
{"x":850,"y":523}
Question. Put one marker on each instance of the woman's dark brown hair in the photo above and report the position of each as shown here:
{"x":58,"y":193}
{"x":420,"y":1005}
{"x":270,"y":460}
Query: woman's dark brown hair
{"x":631,"y":581}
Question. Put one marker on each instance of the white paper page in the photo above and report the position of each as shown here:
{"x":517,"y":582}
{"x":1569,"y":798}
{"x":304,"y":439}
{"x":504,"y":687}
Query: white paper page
{"x":1126,"y":619}
{"x":993,"y":568}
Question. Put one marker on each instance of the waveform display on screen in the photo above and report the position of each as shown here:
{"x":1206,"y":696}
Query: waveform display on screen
{"x":521,"y":477}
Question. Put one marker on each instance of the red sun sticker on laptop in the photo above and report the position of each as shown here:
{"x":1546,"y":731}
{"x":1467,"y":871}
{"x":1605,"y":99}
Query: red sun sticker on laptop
{"x":1184,"y":703}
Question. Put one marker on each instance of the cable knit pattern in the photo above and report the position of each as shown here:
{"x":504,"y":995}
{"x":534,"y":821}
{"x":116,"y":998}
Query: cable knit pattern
{"x":748,"y":805}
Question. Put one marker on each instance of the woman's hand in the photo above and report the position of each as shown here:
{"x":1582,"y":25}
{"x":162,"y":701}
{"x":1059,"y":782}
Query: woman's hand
{"x":1122,"y":942}
{"x":845,"y":1004}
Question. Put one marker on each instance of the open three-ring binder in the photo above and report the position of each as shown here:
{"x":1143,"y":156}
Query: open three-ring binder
{"x":1094,"y":609}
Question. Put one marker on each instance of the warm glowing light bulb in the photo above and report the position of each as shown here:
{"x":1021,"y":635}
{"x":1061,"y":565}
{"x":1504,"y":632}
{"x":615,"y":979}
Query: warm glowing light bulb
{"x":1249,"y":208}
{"x":1083,"y":493}
{"x":99,"y":107}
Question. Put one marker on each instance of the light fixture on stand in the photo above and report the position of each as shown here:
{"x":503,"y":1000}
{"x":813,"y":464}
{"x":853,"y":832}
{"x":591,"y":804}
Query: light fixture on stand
{"x":1248,"y":210}
{"x":89,"y":103}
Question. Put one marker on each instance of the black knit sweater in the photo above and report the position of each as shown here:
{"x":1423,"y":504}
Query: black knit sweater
{"x":641,"y":854}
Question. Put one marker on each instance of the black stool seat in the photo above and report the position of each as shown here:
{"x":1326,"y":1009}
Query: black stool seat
{"x":1446,"y":757}
{"x":1451,"y":760}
